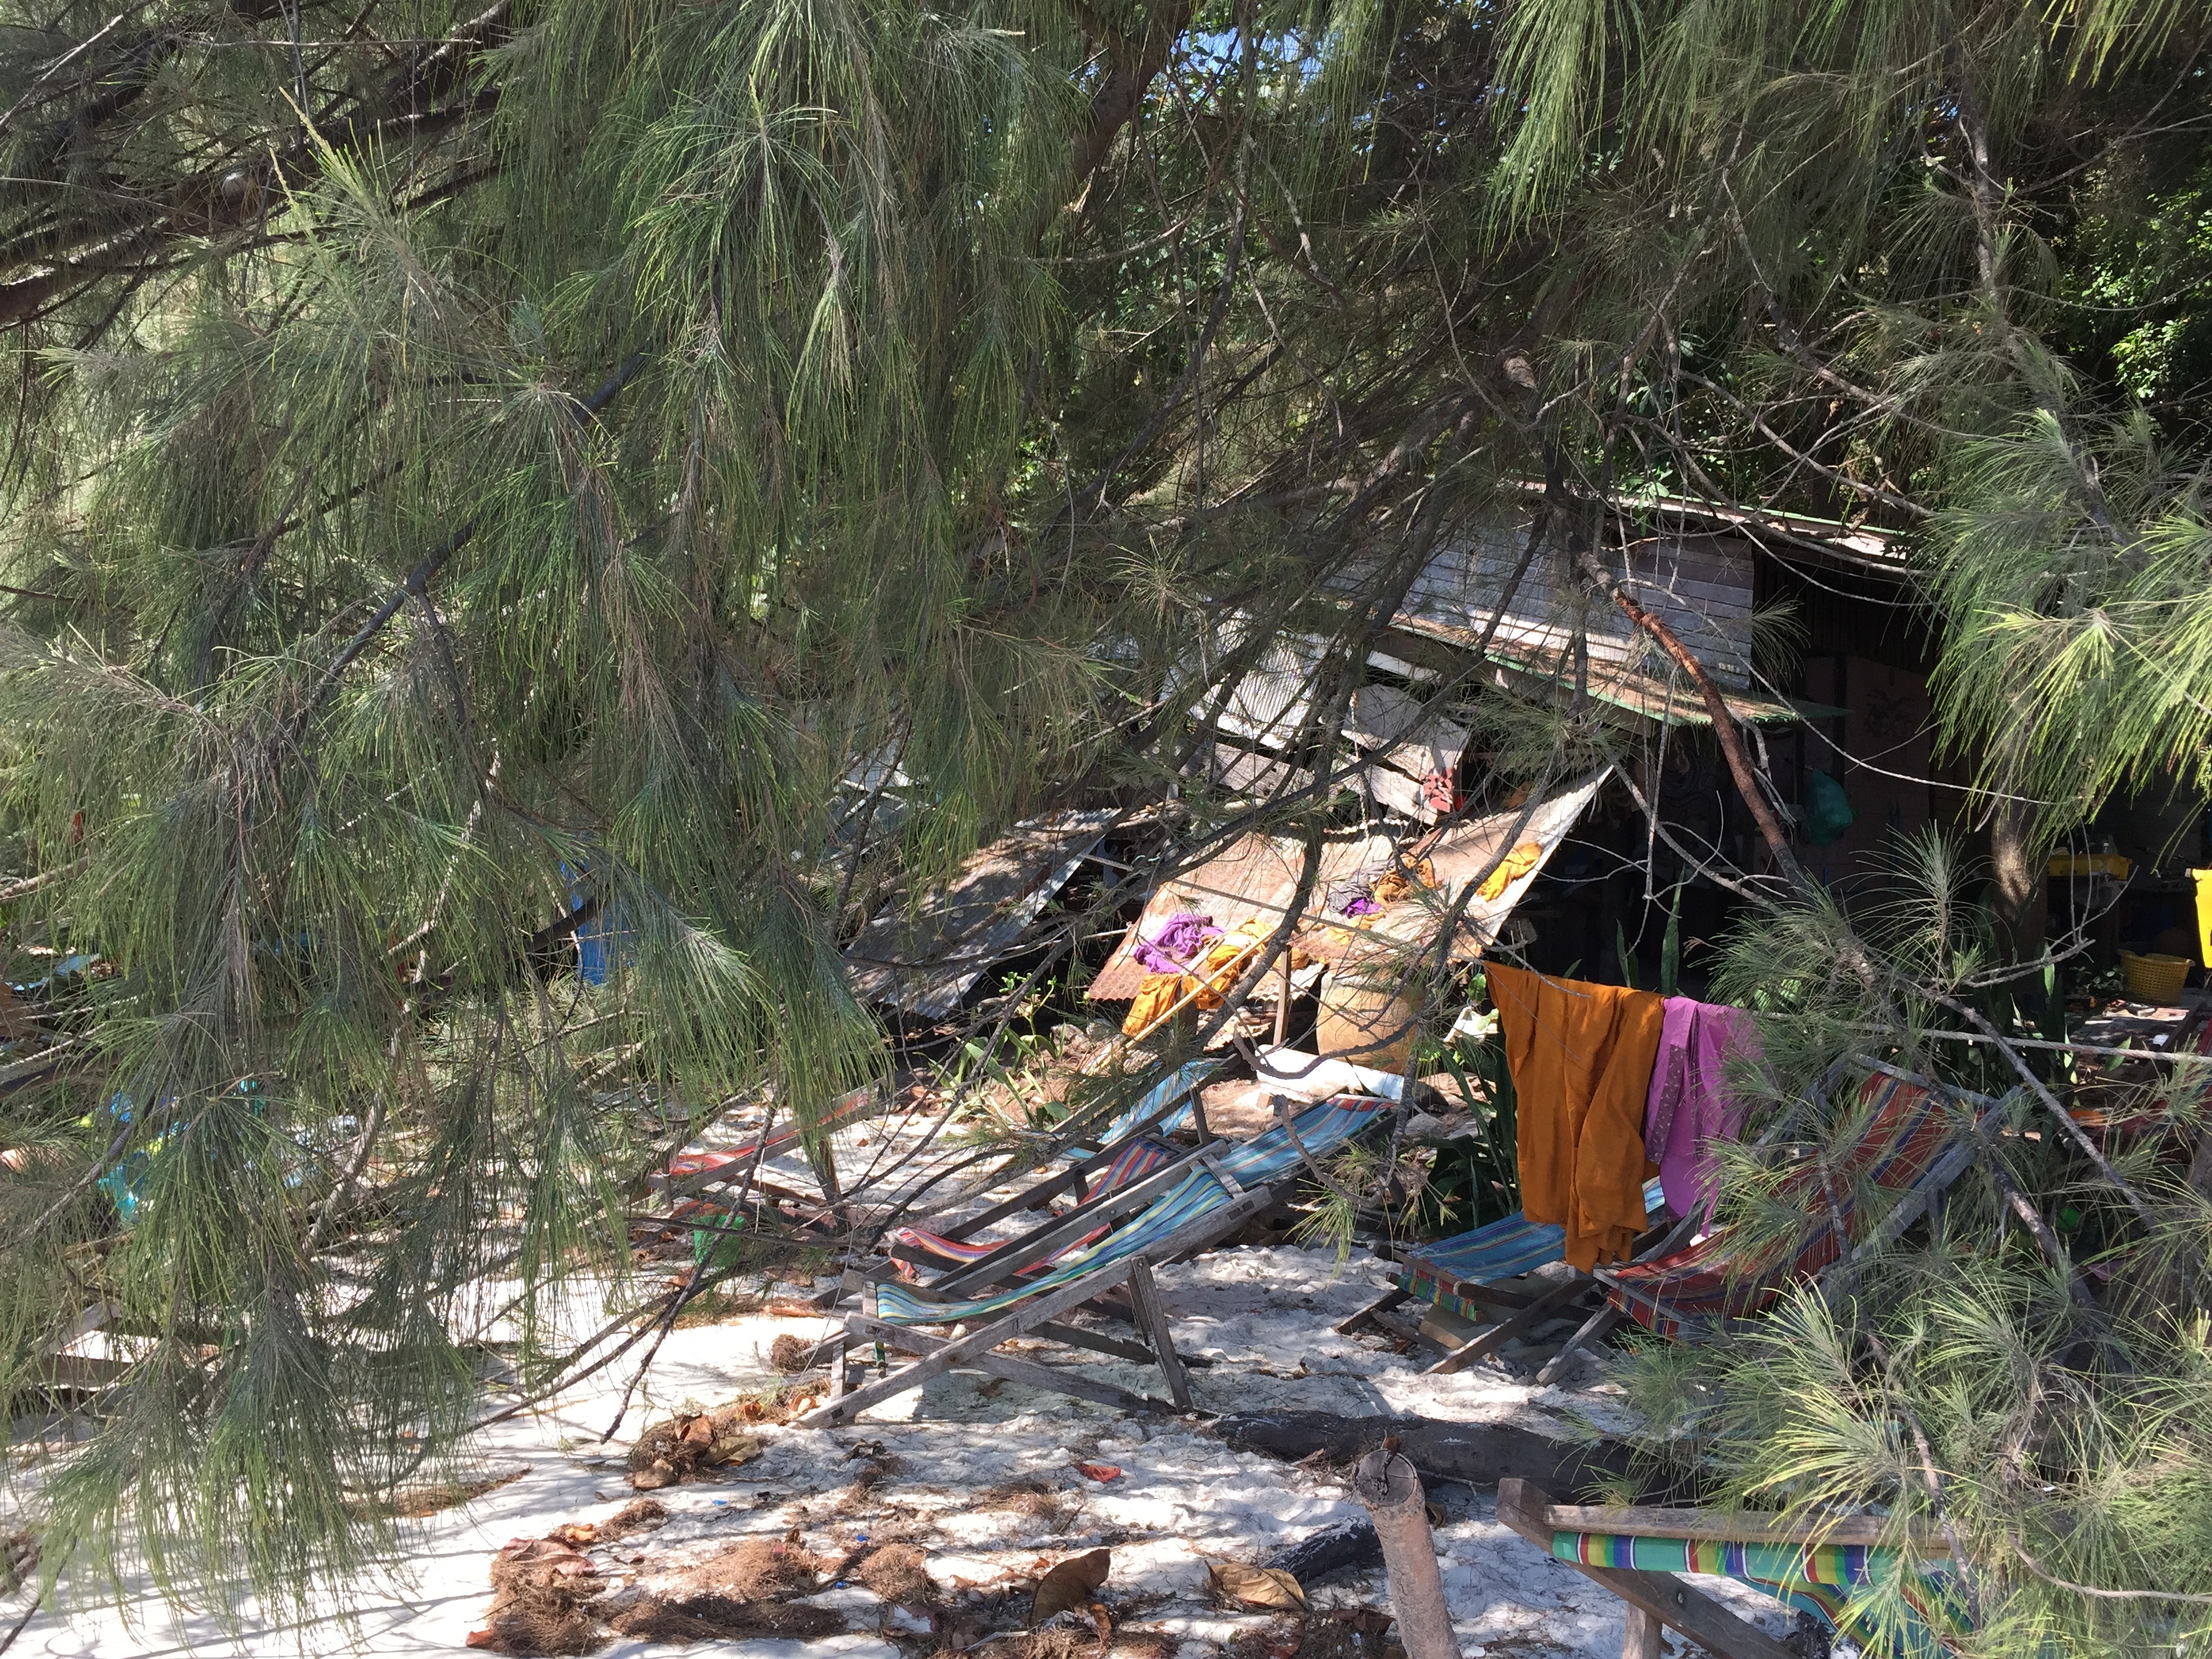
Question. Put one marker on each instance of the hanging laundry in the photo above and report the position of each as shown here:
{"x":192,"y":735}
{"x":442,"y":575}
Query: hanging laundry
{"x":1691,"y":1106}
{"x":1173,"y":946}
{"x":1580,"y":1057}
{"x":1517,"y":863}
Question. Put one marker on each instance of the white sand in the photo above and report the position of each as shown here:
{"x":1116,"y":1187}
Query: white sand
{"x":1262,"y":1316}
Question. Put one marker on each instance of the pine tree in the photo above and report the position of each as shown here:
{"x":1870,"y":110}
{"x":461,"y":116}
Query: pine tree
{"x":479,"y":478}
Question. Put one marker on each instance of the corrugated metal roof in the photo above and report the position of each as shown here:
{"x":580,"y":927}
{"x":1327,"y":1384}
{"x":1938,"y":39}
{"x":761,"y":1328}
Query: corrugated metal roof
{"x":1257,"y":877}
{"x":922,"y":962}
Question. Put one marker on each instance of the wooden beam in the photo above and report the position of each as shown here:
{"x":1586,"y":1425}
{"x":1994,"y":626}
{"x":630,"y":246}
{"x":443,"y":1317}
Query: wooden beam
{"x":1593,"y":1330}
{"x":1366,"y":1315}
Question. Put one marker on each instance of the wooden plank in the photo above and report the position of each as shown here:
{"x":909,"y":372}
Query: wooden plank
{"x":1593,"y":1330}
{"x":922,"y":963}
{"x":1244,"y":773}
{"x":1408,"y":736}
{"x":1397,"y":792}
{"x":1394,"y":1298}
{"x":1738,"y":1527}
{"x":1639,"y":1635}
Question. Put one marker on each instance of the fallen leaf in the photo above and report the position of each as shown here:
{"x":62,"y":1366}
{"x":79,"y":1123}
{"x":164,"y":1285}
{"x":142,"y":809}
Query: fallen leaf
{"x":578,"y":1533}
{"x":1102,"y":1622}
{"x":1256,"y":1586}
{"x":1099,"y":1471}
{"x":1068,"y":1585}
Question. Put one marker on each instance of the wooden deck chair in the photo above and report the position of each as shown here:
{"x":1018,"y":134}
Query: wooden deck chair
{"x":1814,"y":1567}
{"x":914,"y":1247}
{"x":1130,"y":1153}
{"x":688,"y":1173}
{"x":1207,"y":1200}
{"x":1911,"y":1148}
{"x":1461,"y":1275}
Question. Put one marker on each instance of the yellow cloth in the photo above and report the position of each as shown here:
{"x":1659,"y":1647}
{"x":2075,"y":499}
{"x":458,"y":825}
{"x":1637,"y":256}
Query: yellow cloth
{"x":1226,"y":957}
{"x":1518,"y":863}
{"x":2203,"y":880}
{"x":1580,"y":1057}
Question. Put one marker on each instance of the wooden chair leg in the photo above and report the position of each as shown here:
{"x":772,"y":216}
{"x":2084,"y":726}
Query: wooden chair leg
{"x":1152,"y":1321}
{"x":1593,"y":1329}
{"x":1366,"y":1315}
{"x":1639,"y":1635}
{"x":1506,"y":1329}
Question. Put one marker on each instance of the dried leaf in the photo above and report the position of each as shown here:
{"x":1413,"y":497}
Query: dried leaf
{"x":1101,"y":1472}
{"x":1068,"y":1585}
{"x":1257,"y":1587}
{"x":1102,"y":1622}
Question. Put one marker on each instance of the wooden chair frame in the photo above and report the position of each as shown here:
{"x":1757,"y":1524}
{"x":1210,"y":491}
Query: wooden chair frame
{"x":1042,"y":1315}
{"x":1659,"y":1601}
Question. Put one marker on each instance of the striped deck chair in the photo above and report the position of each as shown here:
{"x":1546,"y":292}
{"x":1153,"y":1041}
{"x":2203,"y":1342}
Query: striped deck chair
{"x":1184,"y":1208}
{"x":1163,"y":1108}
{"x":691,"y":1172}
{"x":1818,"y":1567}
{"x":911,"y":1246}
{"x":1461,"y":1275}
{"x":1910,"y":1148}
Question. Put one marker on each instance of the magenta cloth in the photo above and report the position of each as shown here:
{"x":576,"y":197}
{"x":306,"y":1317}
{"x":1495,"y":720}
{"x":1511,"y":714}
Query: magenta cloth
{"x":1175,"y":945}
{"x":1689,"y":1104}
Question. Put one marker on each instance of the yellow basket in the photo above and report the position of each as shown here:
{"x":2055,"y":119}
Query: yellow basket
{"x":2155,"y":978}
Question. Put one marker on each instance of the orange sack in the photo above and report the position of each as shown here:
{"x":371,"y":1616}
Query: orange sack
{"x":1580,"y":1057}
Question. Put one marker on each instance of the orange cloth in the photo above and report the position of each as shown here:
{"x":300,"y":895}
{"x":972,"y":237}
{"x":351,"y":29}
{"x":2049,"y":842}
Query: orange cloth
{"x":1580,"y":1057}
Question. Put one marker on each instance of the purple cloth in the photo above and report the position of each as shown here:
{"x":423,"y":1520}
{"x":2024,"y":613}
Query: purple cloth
{"x":1689,"y":1106}
{"x":1175,"y":943}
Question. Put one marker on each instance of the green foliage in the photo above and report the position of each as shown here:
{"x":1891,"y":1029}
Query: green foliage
{"x":476,"y":478}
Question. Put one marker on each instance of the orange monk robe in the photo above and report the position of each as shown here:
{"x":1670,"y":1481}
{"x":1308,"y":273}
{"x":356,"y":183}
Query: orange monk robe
{"x":1580,"y":1057}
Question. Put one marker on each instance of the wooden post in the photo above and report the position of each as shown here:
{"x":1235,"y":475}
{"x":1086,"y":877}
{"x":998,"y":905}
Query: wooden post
{"x":1388,"y":1484}
{"x":1639,"y":1635}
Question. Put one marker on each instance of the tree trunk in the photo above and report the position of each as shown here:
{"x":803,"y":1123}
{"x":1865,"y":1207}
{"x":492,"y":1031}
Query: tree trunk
{"x":1388,"y":1484}
{"x":2014,"y":841}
